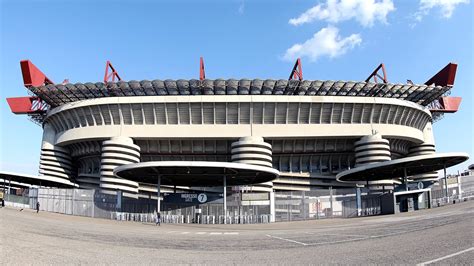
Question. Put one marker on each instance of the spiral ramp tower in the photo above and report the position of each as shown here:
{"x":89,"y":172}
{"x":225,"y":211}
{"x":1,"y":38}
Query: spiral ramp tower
{"x":115,"y":152}
{"x":374,"y":149}
{"x":427,"y":147}
{"x":253,"y":150}
{"x":55,"y":161}
{"x":424,"y":149}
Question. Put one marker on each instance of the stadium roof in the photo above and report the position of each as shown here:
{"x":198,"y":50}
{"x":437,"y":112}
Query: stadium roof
{"x":47,"y":94}
{"x":59,"y":94}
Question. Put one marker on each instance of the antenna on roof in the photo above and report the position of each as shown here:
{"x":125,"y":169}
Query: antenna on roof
{"x":202,"y":71}
{"x":297,"y":71}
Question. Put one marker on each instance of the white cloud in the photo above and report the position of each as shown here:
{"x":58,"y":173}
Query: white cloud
{"x":326,"y":42}
{"x":446,"y":7}
{"x":366,"y":12}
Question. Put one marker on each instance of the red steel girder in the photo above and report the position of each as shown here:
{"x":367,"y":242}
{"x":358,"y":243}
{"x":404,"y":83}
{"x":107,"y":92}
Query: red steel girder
{"x":376,"y":75}
{"x":447,"y":105}
{"x":202,"y":71}
{"x":445,"y":77}
{"x":113,"y":74}
{"x":32,"y":76}
{"x":27,"y":105}
{"x":297,"y":72}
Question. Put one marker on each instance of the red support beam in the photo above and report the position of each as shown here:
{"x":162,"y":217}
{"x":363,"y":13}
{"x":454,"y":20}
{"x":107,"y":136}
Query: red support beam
{"x":297,"y":72}
{"x":27,"y":105}
{"x":202,"y":71}
{"x":32,"y":76}
{"x":376,"y":74}
{"x":447,"y":105}
{"x":445,"y":77}
{"x":113,"y":73}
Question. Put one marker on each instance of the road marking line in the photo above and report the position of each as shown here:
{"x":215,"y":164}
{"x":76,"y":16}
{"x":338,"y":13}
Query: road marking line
{"x":170,"y":232}
{"x":200,"y":233}
{"x":184,"y":233}
{"x":289,"y":240}
{"x":216,"y":233}
{"x":324,"y":234}
{"x":446,"y":257}
{"x":231,"y":233}
{"x":336,"y":242}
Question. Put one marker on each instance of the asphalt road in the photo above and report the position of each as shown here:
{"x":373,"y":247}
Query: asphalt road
{"x":440,"y":236}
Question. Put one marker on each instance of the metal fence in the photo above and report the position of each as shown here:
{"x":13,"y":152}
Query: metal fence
{"x":289,"y":206}
{"x":93,"y":203}
{"x":321,"y":204}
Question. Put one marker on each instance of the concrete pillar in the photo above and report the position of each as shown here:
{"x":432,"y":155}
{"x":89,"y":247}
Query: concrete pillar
{"x":426,"y":148}
{"x":118,"y":151}
{"x":254,"y":150}
{"x":55,"y":161}
{"x":272,"y":207}
{"x":224,"y":193}
{"x":158,"y":194}
{"x":373,"y":149}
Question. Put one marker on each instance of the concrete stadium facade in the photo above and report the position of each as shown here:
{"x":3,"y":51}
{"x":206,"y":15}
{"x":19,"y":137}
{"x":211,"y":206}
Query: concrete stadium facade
{"x":292,"y":135}
{"x":309,"y":138}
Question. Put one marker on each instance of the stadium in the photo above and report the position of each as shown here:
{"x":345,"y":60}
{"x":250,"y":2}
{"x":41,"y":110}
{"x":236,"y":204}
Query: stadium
{"x":251,"y":136}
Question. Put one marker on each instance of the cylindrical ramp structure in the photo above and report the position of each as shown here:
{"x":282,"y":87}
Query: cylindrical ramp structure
{"x":55,"y":161}
{"x":374,"y":149}
{"x":371,"y":149}
{"x":115,"y":152}
{"x":424,"y":149}
{"x":252,"y":150}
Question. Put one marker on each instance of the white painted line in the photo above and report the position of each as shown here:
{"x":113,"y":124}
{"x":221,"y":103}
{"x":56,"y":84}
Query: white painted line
{"x":289,"y":240}
{"x":200,"y":233}
{"x":216,"y":233}
{"x":231,"y":233}
{"x":324,"y":234}
{"x":170,"y":232}
{"x":446,"y":257}
{"x":184,"y":233}
{"x":336,"y":242}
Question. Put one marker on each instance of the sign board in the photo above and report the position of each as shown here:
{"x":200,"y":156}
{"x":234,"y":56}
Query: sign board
{"x":415,"y":186}
{"x":255,"y":196}
{"x":192,"y":198}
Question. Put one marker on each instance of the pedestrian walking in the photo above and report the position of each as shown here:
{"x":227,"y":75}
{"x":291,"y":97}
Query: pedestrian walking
{"x":37,"y":206}
{"x":158,"y":219}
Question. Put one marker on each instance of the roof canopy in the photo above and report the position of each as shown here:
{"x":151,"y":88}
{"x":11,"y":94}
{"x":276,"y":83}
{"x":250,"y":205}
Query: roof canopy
{"x":46,"y":181}
{"x":194,"y":173}
{"x":58,"y":94}
{"x":414,"y":165}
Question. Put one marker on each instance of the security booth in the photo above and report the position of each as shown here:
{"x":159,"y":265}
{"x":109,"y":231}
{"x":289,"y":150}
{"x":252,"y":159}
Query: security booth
{"x":405,"y":201}
{"x":413,"y":200}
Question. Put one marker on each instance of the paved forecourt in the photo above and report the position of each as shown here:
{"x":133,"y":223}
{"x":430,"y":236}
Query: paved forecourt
{"x":403,"y":238}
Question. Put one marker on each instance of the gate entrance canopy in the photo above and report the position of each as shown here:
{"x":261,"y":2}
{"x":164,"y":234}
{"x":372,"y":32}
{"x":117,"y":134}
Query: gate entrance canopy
{"x":195,"y":173}
{"x":408,"y":166}
{"x":26,"y":179}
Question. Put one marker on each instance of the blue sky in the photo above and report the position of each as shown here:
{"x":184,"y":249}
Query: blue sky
{"x":252,"y":39}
